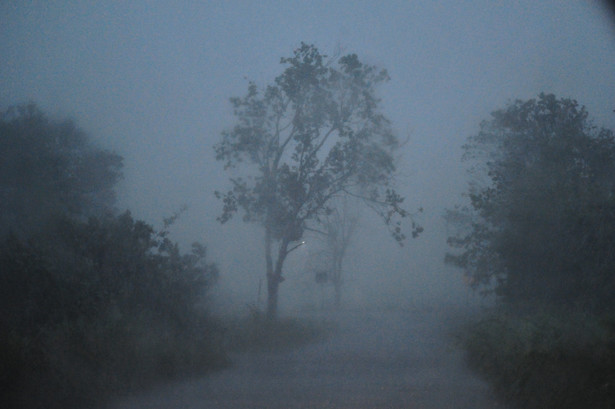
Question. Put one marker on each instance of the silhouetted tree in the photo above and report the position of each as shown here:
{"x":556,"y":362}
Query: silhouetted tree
{"x":317,"y":132}
{"x":543,"y":223}
{"x":49,"y":167}
{"x":90,"y":302}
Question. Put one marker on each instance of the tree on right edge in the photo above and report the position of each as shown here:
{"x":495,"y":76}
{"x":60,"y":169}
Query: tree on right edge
{"x":540,"y":226}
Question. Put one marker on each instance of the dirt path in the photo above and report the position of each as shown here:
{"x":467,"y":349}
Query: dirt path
{"x":385,"y":359}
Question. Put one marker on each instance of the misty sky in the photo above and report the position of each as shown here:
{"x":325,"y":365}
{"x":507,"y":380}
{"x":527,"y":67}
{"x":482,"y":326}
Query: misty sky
{"x":152,"y":79}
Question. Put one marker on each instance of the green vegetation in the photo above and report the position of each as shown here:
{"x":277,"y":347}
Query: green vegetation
{"x":50,"y":168}
{"x":545,"y":360}
{"x":539,"y":232}
{"x":103,"y":308}
{"x":541,"y":222}
{"x":93,"y":303}
{"x":96,"y":304}
{"x":314,"y":134}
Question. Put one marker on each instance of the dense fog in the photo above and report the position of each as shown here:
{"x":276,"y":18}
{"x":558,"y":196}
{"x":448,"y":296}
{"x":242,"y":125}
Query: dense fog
{"x":148,"y":85}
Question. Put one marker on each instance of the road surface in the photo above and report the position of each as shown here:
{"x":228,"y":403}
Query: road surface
{"x":377,"y":359}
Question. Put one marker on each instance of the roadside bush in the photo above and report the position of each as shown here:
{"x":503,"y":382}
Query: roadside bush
{"x":545,"y":359}
{"x":93,"y":309}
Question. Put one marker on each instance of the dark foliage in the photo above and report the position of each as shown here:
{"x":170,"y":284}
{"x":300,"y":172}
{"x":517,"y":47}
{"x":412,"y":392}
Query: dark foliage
{"x":50,"y":167}
{"x":91,"y":304}
{"x":98,"y":307}
{"x":545,"y":360}
{"x":316,"y":133}
{"x":541,"y":226}
{"x":540,"y":231}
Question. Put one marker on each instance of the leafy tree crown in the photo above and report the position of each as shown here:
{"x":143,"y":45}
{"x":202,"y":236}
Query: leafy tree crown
{"x":315,"y":133}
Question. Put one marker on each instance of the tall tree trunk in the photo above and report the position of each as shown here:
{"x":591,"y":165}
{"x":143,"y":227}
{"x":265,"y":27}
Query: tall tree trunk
{"x":272,"y":282}
{"x":272,"y":297}
{"x":274,"y":274}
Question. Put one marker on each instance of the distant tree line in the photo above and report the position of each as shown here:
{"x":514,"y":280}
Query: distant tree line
{"x":92,"y":302}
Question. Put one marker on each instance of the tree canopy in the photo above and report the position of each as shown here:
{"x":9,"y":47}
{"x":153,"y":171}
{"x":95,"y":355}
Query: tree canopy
{"x":316,"y":133}
{"x":541,"y":221}
{"x":50,"y":167}
{"x":92,"y":303}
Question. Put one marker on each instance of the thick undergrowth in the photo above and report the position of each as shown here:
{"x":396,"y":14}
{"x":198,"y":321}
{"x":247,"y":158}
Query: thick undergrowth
{"x":83,"y":364}
{"x":99,"y":308}
{"x":545,"y":359}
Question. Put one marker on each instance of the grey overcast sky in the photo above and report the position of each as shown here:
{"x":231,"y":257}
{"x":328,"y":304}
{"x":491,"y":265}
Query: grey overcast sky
{"x":151,"y":80}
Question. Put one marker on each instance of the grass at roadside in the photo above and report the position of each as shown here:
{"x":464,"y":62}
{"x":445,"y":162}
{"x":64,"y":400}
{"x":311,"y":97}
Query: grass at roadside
{"x":82,"y":364}
{"x":254,"y":332}
{"x":545,"y":359}
{"x":85,"y":363}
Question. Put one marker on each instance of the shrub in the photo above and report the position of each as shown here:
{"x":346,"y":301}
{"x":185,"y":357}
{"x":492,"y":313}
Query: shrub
{"x":95,"y":308}
{"x":545,"y":359}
